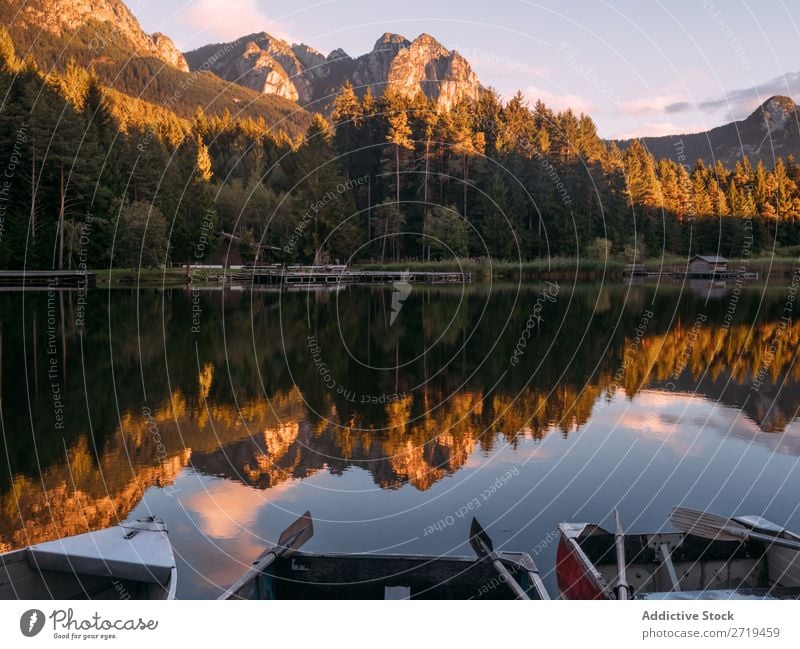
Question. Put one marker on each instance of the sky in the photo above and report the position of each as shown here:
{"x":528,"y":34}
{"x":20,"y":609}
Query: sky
{"x":637,"y":67}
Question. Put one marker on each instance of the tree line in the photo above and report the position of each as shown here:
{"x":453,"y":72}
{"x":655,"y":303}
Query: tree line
{"x":92,"y":177}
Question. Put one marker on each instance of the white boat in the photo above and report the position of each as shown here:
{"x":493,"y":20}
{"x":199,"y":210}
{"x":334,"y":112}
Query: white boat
{"x":133,"y":560}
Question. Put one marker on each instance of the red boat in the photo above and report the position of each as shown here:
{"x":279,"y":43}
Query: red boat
{"x":744,"y":557}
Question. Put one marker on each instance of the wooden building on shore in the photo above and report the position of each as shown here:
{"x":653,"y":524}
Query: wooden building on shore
{"x":707,"y":265}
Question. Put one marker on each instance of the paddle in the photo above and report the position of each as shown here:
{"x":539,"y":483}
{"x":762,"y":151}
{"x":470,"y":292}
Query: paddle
{"x":482,"y":544}
{"x":619,"y":542}
{"x":289,"y":542}
{"x":711,"y":526}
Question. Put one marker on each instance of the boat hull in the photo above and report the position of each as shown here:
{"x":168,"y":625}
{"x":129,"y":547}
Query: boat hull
{"x":576,"y":576}
{"x":676,"y":565}
{"x":330,"y":576}
{"x":129,"y":561}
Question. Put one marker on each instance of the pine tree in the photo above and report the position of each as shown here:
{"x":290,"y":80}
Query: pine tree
{"x":399,"y":136}
{"x":517,"y":132}
{"x":762,"y":191}
{"x":465,"y":142}
{"x":73,"y":84}
{"x":424,"y":125}
{"x":701,"y":200}
{"x":447,"y":232}
{"x":348,"y":120}
{"x":643,"y":188}
{"x":497,"y":222}
{"x":324,"y":199}
{"x":487,"y":119}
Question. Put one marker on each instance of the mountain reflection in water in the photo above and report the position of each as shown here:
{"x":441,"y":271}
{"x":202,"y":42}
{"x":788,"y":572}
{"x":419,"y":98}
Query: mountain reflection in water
{"x":319,"y":387}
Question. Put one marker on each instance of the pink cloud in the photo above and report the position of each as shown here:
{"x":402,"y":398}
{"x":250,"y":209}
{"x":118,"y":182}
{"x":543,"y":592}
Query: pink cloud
{"x":226,"y":508}
{"x":226,"y":20}
{"x":559,"y":101}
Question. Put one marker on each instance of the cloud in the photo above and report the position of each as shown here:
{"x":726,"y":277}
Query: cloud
{"x":649,"y":105}
{"x":739,"y":103}
{"x":226,"y":20}
{"x":670,"y":113}
{"x":224,"y":509}
{"x":678,"y":107}
{"x":559,"y":101}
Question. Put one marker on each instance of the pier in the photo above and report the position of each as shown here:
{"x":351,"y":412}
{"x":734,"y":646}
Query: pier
{"x":48,"y":278}
{"x":689,"y":273}
{"x":711,"y":267}
{"x":335,"y":275}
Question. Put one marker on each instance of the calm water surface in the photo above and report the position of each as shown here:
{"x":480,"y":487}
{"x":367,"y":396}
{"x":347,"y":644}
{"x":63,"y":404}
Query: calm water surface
{"x":229,"y":413}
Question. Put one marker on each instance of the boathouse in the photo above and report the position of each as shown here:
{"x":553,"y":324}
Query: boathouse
{"x":707,"y":265}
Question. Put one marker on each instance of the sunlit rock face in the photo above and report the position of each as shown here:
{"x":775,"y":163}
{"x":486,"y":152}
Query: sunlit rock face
{"x":104,"y":24}
{"x":427,"y":66}
{"x":272,"y":66}
{"x":257,"y":61}
{"x":372,"y":69}
{"x":165,"y":50}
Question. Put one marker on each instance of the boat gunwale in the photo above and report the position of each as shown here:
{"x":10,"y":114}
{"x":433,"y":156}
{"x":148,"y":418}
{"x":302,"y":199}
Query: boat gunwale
{"x":164,"y":590}
{"x":574,"y":534}
{"x":570,"y":535}
{"x":522,"y":561}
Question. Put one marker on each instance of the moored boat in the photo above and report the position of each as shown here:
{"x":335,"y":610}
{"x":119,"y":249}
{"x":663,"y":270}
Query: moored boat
{"x":746,"y":557}
{"x":282,"y":572}
{"x":133,"y":560}
{"x":371,"y":576}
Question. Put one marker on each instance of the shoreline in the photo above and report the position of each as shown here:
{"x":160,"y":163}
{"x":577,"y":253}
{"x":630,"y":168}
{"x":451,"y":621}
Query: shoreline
{"x":563,"y":268}
{"x":482,"y":270}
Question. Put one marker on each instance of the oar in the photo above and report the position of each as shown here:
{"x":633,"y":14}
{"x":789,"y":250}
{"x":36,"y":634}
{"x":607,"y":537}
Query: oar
{"x":711,"y":526}
{"x":482,"y":544}
{"x":289,"y":542}
{"x":619,"y":542}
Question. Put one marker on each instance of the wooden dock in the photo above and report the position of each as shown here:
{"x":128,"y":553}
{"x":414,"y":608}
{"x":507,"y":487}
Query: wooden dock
{"x":635,"y":270}
{"x":48,"y":278}
{"x":337,"y":275}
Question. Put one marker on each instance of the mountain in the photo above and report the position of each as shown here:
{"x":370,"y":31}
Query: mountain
{"x":300,"y":73}
{"x":105,"y":36}
{"x":262,"y":63}
{"x":84,"y":24}
{"x":771,"y":131}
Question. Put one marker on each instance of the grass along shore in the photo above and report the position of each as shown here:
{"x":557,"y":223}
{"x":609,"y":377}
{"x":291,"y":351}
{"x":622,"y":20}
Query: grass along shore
{"x":173,"y":276}
{"x":484,"y":269}
{"x":583,"y":268}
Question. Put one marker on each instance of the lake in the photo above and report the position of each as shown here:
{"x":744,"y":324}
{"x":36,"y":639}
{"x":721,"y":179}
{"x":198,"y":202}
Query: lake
{"x":393,"y":416}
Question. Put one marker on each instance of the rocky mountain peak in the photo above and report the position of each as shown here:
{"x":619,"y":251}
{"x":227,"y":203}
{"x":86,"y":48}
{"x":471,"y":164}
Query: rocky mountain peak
{"x":391,"y":42}
{"x":66,"y":17}
{"x":779,"y":102}
{"x":269,"y":65}
{"x":260,"y":62}
{"x":338,"y":55}
{"x":428,"y":41}
{"x":307,"y":55}
{"x":776,"y":112}
{"x":441,"y":74}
